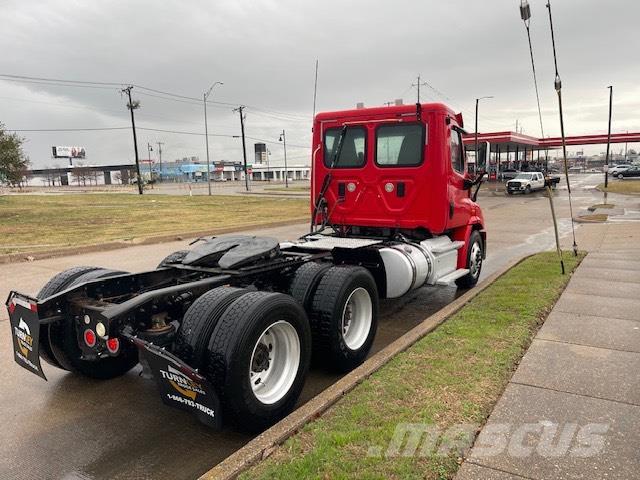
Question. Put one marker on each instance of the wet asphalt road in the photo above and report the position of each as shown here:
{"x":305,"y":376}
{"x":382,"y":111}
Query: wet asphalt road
{"x":75,"y":428}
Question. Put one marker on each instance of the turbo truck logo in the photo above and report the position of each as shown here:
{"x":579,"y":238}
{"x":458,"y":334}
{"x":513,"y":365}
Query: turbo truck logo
{"x":23,"y":337}
{"x":182,"y":383}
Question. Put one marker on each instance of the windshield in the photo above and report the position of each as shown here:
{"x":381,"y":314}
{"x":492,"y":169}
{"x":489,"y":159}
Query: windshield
{"x":353,"y":151}
{"x":523,"y":176}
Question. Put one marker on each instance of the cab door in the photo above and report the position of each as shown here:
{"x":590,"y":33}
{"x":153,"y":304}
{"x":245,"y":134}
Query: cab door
{"x":458,"y":197}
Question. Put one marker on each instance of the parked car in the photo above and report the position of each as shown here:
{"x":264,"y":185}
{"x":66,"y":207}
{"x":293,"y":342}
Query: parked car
{"x":633,"y":171}
{"x":508,"y":174}
{"x":526,"y":182}
{"x":616,"y":169}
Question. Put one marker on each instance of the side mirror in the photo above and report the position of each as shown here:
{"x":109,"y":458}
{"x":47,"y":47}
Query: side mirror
{"x":467,"y":184}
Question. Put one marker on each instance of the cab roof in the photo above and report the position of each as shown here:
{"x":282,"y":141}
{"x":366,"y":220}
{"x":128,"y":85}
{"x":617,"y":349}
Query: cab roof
{"x":384,"y":110}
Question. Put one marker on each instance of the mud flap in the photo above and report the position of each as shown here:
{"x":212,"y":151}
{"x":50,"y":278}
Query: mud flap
{"x":180,"y":385}
{"x":25,"y":330}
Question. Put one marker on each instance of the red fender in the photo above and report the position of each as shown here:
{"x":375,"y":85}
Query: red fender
{"x":463,"y":234}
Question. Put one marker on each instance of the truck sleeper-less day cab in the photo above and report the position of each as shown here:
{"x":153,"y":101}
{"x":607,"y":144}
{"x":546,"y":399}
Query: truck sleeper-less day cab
{"x":230,"y":326}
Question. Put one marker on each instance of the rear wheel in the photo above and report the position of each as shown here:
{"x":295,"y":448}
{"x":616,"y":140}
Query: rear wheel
{"x":305,"y":282}
{"x":63,"y":339}
{"x":620,"y":176}
{"x":258,"y":358}
{"x":199,"y":322}
{"x":475,"y":253}
{"x":344,"y":317}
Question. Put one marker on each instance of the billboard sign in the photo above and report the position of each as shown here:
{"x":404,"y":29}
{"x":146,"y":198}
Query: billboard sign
{"x":68,"y":152}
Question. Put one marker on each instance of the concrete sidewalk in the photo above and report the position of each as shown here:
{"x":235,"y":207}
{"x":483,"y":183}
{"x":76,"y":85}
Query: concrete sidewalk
{"x":572,"y":408}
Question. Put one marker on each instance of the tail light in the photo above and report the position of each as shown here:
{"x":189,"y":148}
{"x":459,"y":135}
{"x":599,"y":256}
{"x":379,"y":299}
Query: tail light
{"x":90,"y":338}
{"x":113,"y":345}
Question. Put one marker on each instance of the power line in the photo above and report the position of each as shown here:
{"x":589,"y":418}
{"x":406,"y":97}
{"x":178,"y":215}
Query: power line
{"x":67,"y":129}
{"x":24,"y":77}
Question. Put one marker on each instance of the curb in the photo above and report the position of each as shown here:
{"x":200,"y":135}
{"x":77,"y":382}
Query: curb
{"x":264,"y":444}
{"x":101,"y":247}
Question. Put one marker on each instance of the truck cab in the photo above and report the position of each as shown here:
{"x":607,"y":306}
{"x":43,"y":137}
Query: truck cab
{"x":400,"y":170}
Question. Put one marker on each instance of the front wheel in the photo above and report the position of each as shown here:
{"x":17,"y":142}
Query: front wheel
{"x":527,"y":190}
{"x":620,"y":177}
{"x":475,"y":254}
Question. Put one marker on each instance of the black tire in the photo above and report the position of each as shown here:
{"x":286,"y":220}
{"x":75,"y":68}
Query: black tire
{"x":329,"y":305}
{"x":509,"y":192}
{"x":199,"y":322}
{"x":65,"y":349}
{"x":527,"y":189}
{"x":620,"y":176}
{"x":175,"y":257}
{"x":471,"y":279}
{"x":231,"y":350}
{"x":56,"y":284}
{"x":305,"y":282}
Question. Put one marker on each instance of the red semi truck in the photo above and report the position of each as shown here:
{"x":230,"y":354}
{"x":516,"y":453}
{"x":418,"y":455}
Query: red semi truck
{"x":229,"y":327}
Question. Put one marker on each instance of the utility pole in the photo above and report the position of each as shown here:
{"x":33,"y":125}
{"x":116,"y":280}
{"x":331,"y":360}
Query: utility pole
{"x":244,"y":146}
{"x":206,"y":131}
{"x":606,"y":159}
{"x":160,"y":157}
{"x":132,"y":106}
{"x":283,"y":139}
{"x":557,"y":84}
{"x":418,"y":85}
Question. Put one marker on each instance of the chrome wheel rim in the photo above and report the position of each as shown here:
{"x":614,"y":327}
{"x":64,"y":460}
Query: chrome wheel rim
{"x":357,"y":317}
{"x":475,"y":259}
{"x":274,"y":362}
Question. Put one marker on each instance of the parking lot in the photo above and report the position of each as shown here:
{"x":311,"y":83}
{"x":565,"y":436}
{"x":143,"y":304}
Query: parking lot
{"x":72,"y":427}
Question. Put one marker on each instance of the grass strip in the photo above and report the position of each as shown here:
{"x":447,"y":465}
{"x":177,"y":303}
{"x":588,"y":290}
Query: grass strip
{"x":452,"y":376}
{"x":629,"y":187}
{"x":32,"y":222}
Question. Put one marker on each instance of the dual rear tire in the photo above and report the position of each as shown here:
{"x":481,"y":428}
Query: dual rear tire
{"x":254,"y":347}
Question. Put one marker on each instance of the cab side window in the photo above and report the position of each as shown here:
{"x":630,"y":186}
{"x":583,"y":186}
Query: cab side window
{"x":457,"y":159}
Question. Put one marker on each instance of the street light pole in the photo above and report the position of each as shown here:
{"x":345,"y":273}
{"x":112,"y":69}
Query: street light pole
{"x":475,"y":165}
{"x":149,"y":150}
{"x":283,"y":139}
{"x":606,"y":159}
{"x":206,"y":132}
{"x":160,"y":158}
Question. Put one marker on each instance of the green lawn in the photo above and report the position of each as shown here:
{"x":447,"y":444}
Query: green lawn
{"x":39,"y":222}
{"x":452,"y":376}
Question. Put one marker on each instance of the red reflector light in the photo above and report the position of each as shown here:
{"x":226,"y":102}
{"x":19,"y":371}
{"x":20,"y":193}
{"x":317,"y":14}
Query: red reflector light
{"x":12,"y":307}
{"x":113,"y":345}
{"x":90,"y":337}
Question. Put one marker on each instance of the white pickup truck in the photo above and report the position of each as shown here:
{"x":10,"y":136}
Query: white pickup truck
{"x":526,"y":182}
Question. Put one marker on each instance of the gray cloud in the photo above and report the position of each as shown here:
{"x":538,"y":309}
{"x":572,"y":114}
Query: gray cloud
{"x":265,"y":52}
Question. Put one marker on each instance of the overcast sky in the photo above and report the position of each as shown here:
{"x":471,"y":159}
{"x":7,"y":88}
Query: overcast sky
{"x":265,"y":51}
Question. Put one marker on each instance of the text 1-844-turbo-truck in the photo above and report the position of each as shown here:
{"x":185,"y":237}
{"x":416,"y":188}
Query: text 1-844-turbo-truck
{"x":229,"y":327}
